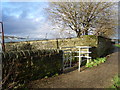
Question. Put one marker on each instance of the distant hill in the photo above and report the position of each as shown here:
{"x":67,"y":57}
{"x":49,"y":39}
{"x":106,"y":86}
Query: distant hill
{"x":13,"y":37}
{"x":19,"y":39}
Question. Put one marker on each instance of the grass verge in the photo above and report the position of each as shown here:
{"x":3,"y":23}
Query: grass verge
{"x":117,"y":45}
{"x":116,"y":83}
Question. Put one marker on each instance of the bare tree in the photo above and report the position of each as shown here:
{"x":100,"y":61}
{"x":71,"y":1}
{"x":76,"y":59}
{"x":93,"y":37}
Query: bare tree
{"x":84,"y":17}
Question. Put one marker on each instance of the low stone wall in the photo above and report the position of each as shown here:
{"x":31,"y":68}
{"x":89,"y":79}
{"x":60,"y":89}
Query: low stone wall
{"x":99,"y":44}
{"x":20,"y":67}
{"x":87,"y":40}
{"x":104,"y":47}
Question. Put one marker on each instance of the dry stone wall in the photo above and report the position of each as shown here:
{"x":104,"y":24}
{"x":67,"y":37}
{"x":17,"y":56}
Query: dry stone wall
{"x":20,"y":67}
{"x":99,"y":44}
{"x":53,"y":44}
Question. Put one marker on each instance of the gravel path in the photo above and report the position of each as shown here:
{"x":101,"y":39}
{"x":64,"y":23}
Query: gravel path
{"x":95,"y":77}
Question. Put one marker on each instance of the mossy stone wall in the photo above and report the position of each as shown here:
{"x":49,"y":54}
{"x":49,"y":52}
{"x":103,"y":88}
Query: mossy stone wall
{"x":100,"y":45}
{"x":104,"y":47}
{"x":87,"y":40}
{"x":19,"y":67}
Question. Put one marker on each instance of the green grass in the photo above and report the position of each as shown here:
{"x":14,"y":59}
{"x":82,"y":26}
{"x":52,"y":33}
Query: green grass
{"x":116,"y":82}
{"x":96,"y":62}
{"x":117,"y":45}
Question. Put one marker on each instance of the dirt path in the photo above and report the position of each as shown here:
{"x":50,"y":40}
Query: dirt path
{"x":96,"y":77}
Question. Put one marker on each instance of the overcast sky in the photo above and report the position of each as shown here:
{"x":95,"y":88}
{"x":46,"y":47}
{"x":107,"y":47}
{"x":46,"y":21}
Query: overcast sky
{"x":27,"y":19}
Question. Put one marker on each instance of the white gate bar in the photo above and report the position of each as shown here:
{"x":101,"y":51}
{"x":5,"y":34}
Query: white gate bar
{"x":83,"y":47}
{"x":70,"y":58}
{"x":82,"y":52}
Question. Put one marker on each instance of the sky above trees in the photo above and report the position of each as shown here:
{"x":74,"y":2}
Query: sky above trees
{"x":26,"y":19}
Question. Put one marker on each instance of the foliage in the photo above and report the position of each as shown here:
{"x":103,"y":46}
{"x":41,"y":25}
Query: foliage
{"x":96,"y":62}
{"x":117,"y":45}
{"x":20,"y":67}
{"x":84,"y":17}
{"x":116,"y":81}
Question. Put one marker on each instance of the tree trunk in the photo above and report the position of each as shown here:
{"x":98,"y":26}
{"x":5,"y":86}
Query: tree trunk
{"x":86,"y":32}
{"x":78,"y":34}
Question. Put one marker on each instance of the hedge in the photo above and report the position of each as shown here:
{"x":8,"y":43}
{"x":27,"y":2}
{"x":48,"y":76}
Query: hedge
{"x":21,"y":67}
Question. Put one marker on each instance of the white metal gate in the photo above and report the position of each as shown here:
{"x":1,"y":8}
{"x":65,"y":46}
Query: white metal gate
{"x":68,"y":55}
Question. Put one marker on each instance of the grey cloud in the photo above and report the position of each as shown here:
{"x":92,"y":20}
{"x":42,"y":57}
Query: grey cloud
{"x":17,"y":21}
{"x":22,"y":25}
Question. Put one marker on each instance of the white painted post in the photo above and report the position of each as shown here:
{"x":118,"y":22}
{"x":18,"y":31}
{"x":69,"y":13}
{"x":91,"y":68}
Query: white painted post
{"x":88,"y":55}
{"x":79,"y":59}
{"x":70,"y":58}
{"x":88,"y":59}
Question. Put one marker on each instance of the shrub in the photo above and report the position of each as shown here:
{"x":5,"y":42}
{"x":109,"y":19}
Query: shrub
{"x":96,"y":62}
